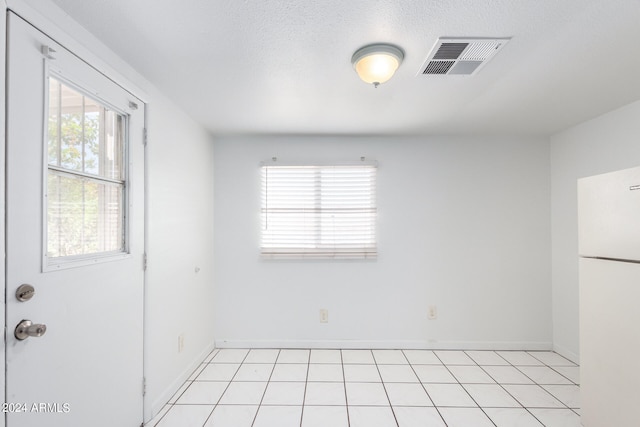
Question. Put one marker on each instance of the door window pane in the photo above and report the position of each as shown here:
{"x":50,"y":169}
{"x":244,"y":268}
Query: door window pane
{"x":85,"y":178}
{"x":83,"y":135}
{"x":84,"y":216}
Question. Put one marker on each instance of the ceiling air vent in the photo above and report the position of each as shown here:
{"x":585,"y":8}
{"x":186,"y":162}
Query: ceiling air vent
{"x":460,"y":56}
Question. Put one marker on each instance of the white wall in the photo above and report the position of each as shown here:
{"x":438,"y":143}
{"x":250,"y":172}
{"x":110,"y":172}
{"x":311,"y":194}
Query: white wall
{"x":604,"y":144}
{"x":179,"y":232}
{"x":179,"y":242}
{"x":464,"y":224}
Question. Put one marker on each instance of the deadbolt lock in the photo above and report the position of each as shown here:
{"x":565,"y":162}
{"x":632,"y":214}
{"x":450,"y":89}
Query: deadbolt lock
{"x":25,"y":292}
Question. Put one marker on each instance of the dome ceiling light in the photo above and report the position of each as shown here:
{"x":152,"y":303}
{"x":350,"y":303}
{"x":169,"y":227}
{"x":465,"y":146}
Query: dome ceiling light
{"x":376,"y":63}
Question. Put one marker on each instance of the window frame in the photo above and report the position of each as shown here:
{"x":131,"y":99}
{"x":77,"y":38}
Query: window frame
{"x":73,"y":261}
{"x":365,"y":251}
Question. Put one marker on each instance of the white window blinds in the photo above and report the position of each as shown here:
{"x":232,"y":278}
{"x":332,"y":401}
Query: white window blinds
{"x":319,"y":211}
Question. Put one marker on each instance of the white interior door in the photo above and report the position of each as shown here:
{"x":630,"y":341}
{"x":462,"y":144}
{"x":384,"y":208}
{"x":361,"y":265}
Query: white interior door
{"x":75,"y":200}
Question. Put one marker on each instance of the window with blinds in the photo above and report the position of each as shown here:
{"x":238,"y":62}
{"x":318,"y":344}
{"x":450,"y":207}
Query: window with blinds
{"x":319,"y":211}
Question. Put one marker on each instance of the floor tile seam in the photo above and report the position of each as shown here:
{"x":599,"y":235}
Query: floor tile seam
{"x":266,"y":387}
{"x":549,"y":407}
{"x":199,"y":370}
{"x":211,"y":355}
{"x":359,"y":363}
{"x":306,"y":383}
{"x":467,"y":391}
{"x":563,"y":375}
{"x":532,"y":354}
{"x":291,"y":363}
{"x":233,"y":362}
{"x":257,"y":363}
{"x":195,"y":404}
{"x":219,"y":398}
{"x":506,"y":391}
{"x":183,"y":391}
{"x":235,"y":381}
{"x":502,"y":385}
{"x":479,"y":366}
{"x":214,"y":406}
{"x":344,"y":386}
{"x":210,"y":414}
{"x":385,"y":388}
{"x":547,"y":391}
{"x":458,"y":381}
{"x":476,"y":364}
{"x":500,"y":356}
{"x":170,"y":405}
{"x":556,"y":397}
{"x":534,"y":415}
{"x":425,"y":389}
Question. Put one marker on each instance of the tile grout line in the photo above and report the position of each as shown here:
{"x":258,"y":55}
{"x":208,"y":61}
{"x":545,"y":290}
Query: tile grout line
{"x":344,"y":384}
{"x":222,"y":394}
{"x":544,"y":364}
{"x":423,"y":387}
{"x":228,"y":385}
{"x":542,"y":385}
{"x":255,"y":417}
{"x":461,"y":385}
{"x":502,"y":384}
{"x":508,"y":392}
{"x":306,"y":381}
{"x":172,"y":404}
{"x":385,"y":388}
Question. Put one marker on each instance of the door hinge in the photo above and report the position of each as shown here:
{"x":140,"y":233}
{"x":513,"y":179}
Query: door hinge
{"x":144,"y":137}
{"x":144,"y":262}
{"x":144,"y":386}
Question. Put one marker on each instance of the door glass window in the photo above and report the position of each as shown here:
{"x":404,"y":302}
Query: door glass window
{"x":85,"y":175}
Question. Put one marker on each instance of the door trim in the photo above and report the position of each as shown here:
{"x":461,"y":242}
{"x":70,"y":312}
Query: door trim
{"x":3,"y":119}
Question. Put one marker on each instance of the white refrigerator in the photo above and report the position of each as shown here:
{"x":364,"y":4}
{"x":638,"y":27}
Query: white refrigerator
{"x":609,"y":247}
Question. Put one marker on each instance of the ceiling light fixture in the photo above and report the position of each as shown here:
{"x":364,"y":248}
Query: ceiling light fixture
{"x":377,"y":63}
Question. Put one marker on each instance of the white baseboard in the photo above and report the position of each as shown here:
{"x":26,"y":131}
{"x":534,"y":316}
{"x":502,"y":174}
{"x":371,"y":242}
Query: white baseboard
{"x":405,"y":345}
{"x":160,"y":401}
{"x":568,"y":354}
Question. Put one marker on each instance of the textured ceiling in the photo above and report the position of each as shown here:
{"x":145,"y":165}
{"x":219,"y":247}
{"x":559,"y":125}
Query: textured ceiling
{"x":278,"y":66}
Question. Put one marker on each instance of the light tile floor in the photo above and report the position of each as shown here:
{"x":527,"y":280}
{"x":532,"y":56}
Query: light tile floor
{"x":377,"y":388}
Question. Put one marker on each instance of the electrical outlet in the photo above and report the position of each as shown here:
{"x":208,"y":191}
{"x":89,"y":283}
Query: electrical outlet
{"x":180,"y":343}
{"x":433,"y":312}
{"x":324,"y":315}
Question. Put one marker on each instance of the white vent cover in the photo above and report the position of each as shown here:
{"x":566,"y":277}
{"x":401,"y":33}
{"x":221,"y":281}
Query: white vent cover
{"x":460,"y":56}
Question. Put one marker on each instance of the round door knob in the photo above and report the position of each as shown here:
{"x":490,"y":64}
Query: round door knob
{"x":26,"y":329}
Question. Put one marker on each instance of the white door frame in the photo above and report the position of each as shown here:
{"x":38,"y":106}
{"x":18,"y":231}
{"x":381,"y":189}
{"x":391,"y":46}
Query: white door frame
{"x":3,"y":58}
